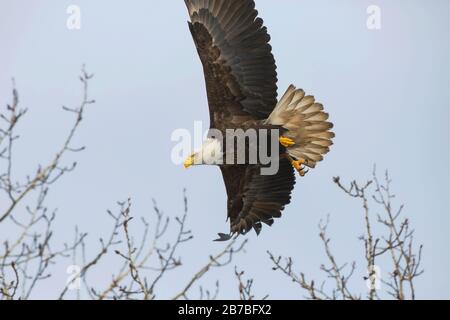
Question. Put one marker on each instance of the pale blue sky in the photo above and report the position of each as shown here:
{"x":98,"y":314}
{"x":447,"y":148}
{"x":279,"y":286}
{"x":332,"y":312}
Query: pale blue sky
{"x":387,"y":92}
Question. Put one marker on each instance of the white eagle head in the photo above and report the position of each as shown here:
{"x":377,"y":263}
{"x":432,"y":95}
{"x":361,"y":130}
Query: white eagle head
{"x":209,"y":154}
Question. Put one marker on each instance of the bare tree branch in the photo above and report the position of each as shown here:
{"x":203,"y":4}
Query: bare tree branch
{"x":397,"y":241}
{"x":214,"y":262}
{"x":30,"y":253}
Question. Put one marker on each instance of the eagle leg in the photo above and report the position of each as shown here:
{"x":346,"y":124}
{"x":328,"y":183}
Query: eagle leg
{"x":286,"y":142}
{"x":298,"y":164}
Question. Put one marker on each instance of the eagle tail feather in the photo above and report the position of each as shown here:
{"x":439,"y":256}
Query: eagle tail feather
{"x":306,"y":124}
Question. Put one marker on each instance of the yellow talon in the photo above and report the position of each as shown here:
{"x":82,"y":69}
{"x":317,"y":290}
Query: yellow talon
{"x":286,"y":142}
{"x":298,"y":165}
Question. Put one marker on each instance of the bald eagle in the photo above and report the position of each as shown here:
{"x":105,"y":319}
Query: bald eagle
{"x":241,"y":85}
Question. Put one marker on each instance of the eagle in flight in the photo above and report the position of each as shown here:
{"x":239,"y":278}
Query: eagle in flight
{"x":241,"y":85}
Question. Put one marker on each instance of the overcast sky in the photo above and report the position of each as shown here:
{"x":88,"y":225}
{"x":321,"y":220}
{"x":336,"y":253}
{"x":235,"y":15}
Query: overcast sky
{"x":387,"y":91}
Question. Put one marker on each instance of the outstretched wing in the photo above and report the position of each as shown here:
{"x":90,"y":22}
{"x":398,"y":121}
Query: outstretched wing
{"x":237,"y":59}
{"x":254,"y":198}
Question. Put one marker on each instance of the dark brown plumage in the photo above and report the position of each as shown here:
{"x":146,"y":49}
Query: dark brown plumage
{"x":241,"y":83}
{"x":239,"y":67}
{"x":255,"y":198}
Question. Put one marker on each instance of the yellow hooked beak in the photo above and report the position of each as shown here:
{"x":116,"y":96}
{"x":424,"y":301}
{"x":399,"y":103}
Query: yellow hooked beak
{"x":189,"y":162}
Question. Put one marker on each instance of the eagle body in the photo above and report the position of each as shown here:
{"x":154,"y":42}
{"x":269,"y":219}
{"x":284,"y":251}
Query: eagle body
{"x":241,"y":84}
